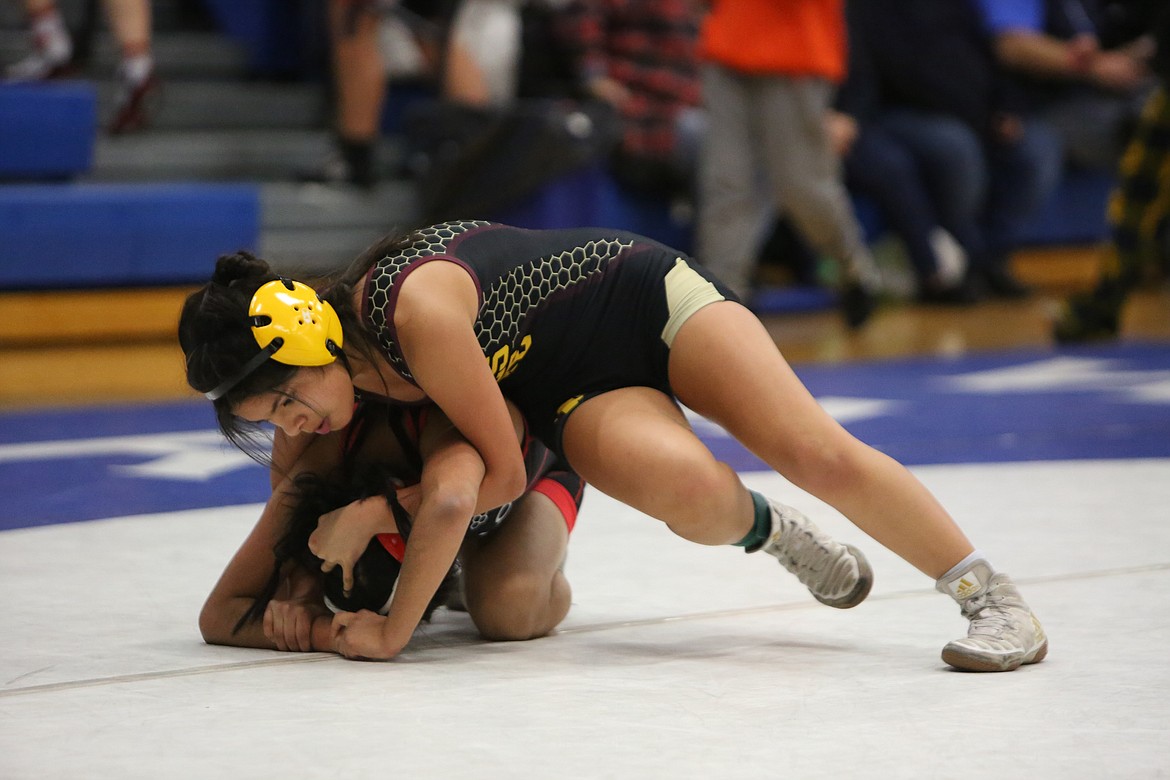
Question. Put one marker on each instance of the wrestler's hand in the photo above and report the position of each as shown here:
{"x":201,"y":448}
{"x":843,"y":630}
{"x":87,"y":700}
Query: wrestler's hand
{"x":361,"y":636}
{"x":343,"y":535}
{"x":288,"y":623}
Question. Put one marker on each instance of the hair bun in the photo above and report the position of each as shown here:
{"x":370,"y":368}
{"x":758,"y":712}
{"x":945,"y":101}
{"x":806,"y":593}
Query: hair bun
{"x":241,"y":265}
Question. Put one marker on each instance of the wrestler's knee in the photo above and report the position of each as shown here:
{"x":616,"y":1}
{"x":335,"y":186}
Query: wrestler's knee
{"x":710,"y":491}
{"x":518,"y":606}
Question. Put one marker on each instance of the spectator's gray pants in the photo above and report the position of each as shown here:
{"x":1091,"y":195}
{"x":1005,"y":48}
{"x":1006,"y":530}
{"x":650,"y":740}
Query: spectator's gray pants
{"x":766,"y":152}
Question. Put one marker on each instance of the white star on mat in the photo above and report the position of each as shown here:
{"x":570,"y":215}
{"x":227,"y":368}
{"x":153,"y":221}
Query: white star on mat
{"x":843,"y":410}
{"x":192,"y":456}
{"x":1065,"y":374}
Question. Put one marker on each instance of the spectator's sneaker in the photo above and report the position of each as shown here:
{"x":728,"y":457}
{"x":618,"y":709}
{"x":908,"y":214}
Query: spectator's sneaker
{"x":836,"y":574}
{"x":350,"y":162}
{"x":1004,"y":634}
{"x":38,"y":66}
{"x":136,"y":105}
{"x":1087,"y":318}
{"x":950,"y":258}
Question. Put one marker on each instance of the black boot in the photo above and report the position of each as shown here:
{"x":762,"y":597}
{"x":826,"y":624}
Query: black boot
{"x":1092,"y":316}
{"x":351,"y":162}
{"x":857,"y":305}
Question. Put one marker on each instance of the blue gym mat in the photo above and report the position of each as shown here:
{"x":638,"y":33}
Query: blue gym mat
{"x":1108,"y":402}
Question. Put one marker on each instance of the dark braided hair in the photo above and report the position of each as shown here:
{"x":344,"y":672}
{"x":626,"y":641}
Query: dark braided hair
{"x":217,"y":341}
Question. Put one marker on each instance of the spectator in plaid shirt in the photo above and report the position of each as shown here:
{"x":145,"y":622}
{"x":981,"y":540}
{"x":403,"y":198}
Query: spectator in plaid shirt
{"x":639,"y":56}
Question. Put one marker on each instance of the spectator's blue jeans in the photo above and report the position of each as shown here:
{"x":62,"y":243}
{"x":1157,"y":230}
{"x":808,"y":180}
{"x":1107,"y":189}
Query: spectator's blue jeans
{"x":983,"y":191}
{"x":883,"y":169}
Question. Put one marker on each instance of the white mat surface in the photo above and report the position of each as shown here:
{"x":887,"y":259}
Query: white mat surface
{"x":676,"y":661}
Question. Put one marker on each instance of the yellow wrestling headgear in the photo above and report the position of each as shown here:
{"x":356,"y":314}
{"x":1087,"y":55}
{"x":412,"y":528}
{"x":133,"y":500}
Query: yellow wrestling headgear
{"x":309,"y":329}
{"x":292,"y":325}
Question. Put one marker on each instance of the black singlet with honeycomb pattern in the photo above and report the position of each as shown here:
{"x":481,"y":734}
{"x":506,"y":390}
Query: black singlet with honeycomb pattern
{"x":563,"y":313}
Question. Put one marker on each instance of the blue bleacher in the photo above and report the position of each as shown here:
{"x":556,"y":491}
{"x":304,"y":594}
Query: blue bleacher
{"x":57,"y":233}
{"x":277,"y":35}
{"x":46,"y":130}
{"x":99,"y":235}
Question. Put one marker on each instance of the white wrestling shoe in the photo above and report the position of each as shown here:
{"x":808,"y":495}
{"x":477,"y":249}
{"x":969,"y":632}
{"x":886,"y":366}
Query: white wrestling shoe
{"x":836,"y":574}
{"x":1004,"y":634}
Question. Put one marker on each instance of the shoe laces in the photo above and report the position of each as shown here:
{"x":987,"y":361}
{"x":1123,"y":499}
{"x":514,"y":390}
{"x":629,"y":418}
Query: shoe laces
{"x":992,"y":613}
{"x":805,"y":551}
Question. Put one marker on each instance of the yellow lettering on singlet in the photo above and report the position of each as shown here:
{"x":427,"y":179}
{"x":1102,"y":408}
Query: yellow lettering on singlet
{"x":505,"y":361}
{"x":499,"y":362}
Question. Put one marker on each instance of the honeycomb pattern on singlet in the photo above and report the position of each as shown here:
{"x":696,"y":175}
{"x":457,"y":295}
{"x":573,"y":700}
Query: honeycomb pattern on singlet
{"x":430,"y":241}
{"x":506,"y":301}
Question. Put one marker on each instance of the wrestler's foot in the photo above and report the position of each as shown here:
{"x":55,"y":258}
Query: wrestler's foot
{"x":1004,"y":633}
{"x":836,"y":574}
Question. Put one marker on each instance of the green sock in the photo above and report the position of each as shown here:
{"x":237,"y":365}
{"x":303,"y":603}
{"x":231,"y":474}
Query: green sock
{"x":763,"y":527}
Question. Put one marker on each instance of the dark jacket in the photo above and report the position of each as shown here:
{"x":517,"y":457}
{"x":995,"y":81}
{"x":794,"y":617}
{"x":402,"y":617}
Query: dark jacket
{"x":932,"y":55}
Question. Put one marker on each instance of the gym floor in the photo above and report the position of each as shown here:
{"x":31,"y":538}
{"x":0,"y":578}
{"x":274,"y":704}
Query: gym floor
{"x":676,"y":661}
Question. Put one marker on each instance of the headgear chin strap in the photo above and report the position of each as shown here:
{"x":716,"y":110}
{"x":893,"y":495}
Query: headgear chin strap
{"x":292,"y":325}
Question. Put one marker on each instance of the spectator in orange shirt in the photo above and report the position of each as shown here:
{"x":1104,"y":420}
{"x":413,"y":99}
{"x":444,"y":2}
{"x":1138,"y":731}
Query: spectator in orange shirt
{"x":771,"y":68}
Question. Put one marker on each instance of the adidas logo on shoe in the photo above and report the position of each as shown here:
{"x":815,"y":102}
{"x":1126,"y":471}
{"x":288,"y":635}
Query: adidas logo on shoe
{"x":965,"y":587}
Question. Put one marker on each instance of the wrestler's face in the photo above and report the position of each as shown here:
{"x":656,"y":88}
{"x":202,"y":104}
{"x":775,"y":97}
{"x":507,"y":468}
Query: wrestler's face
{"x":315,"y":400}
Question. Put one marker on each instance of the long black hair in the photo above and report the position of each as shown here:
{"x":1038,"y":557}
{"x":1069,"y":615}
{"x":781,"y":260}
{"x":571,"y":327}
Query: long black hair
{"x":374,"y":573}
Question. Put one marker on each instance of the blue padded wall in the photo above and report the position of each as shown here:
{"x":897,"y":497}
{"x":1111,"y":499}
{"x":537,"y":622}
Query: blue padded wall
{"x":1075,"y":214}
{"x":590,"y":196}
{"x":103,"y":235}
{"x":46,"y":130}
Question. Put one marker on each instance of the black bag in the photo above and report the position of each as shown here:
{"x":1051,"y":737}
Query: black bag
{"x":470,"y":163}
